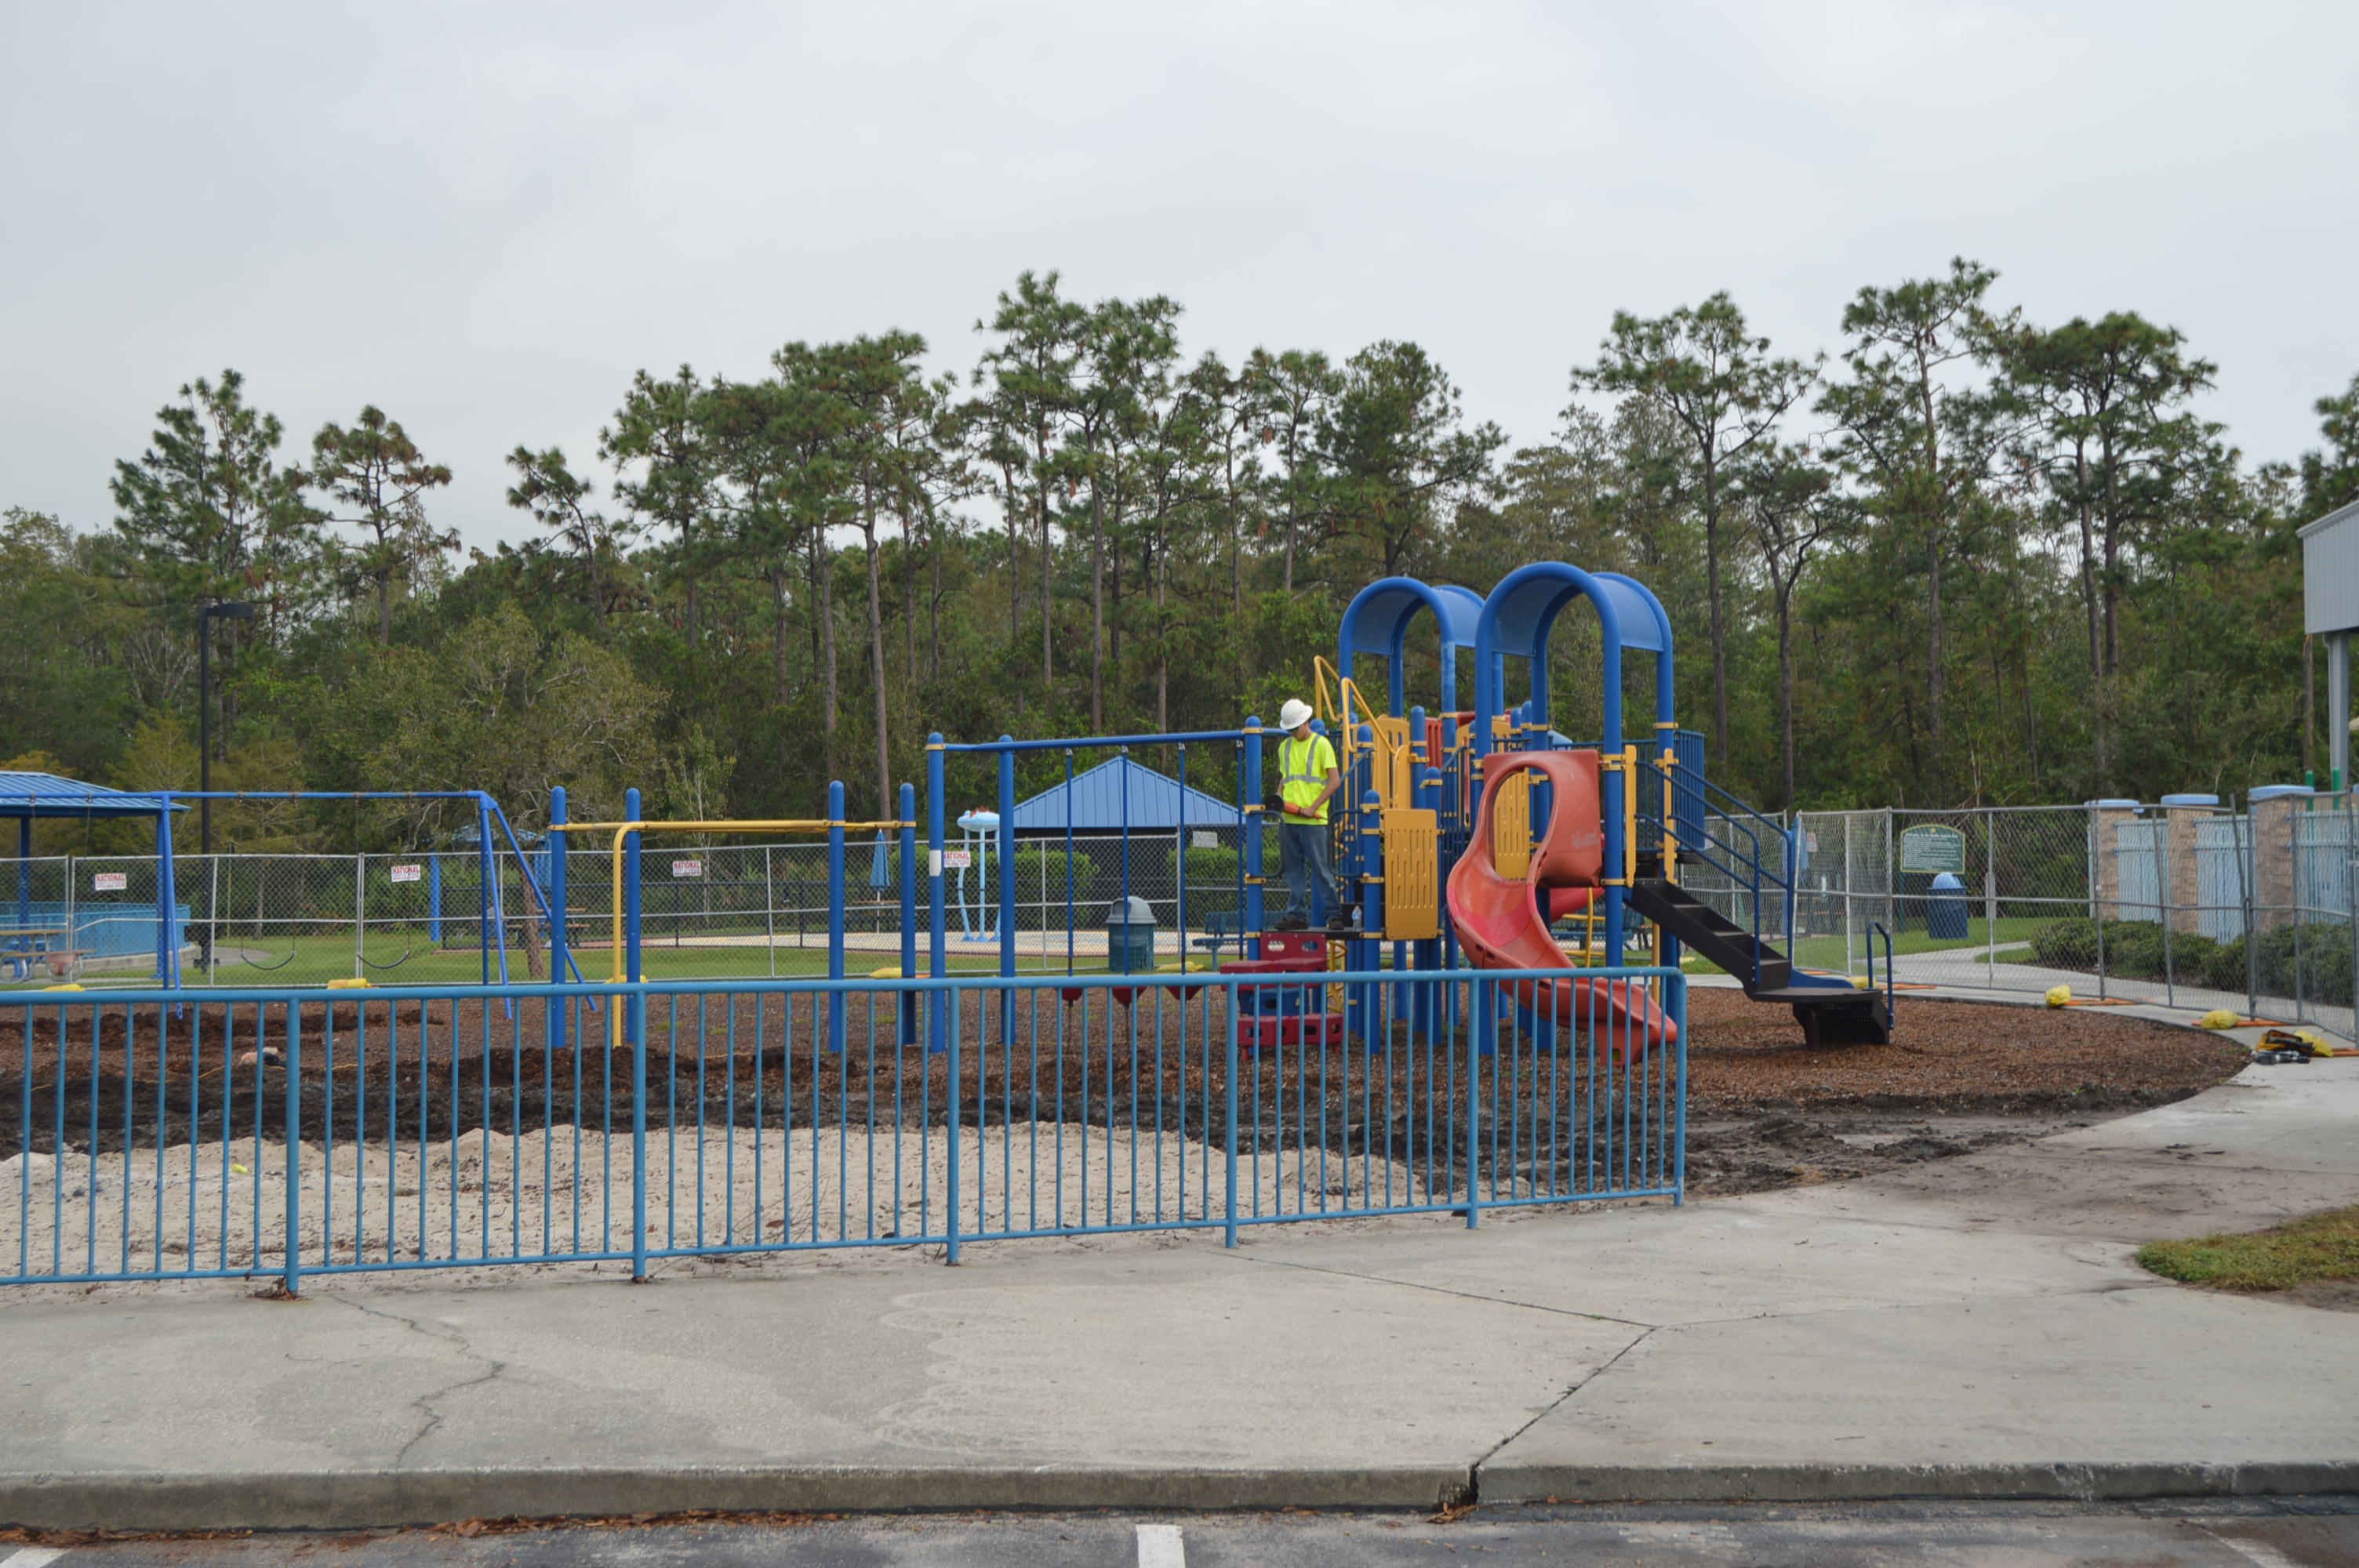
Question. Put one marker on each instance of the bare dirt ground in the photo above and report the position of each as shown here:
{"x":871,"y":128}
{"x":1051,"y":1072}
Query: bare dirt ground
{"x":1767,"y":1110}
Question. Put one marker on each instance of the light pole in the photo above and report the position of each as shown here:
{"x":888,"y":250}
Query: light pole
{"x":234,"y":611}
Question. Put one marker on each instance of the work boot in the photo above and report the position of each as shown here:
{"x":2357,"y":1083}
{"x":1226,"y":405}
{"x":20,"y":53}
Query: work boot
{"x":1291,"y":922}
{"x":1345,"y":921}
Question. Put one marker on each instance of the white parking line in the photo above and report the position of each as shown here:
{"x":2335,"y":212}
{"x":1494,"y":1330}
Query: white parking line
{"x":2258,"y":1553}
{"x":37,"y":1556}
{"x":1159,"y":1547}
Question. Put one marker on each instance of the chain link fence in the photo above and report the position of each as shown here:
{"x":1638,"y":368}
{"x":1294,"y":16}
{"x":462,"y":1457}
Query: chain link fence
{"x":2194,"y":906}
{"x":724,"y":911}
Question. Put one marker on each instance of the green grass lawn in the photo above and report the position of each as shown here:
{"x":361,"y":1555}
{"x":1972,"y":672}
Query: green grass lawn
{"x":2322,"y":1248}
{"x":1827,"y":952}
{"x":393,"y":961}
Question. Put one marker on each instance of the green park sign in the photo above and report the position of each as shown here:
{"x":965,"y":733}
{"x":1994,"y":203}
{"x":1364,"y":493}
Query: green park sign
{"x":1932,"y":848}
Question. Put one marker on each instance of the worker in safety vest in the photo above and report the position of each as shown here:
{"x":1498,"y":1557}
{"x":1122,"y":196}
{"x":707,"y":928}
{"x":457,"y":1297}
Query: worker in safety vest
{"x":1308,"y":780}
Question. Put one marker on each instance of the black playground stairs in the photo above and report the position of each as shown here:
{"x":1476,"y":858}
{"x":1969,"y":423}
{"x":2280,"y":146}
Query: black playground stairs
{"x":1832,"y":1010}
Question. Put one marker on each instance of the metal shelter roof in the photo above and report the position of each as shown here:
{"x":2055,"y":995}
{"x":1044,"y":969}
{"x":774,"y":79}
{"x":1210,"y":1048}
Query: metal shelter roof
{"x":46,"y":794}
{"x":1116,"y":792}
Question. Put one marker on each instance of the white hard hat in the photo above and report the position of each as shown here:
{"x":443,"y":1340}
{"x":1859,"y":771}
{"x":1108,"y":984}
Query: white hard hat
{"x":1294,"y":715}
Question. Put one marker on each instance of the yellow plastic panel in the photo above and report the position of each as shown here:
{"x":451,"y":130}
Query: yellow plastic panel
{"x":1412,"y":875}
{"x":1391,"y":770}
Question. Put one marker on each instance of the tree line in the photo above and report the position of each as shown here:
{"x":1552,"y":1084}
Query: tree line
{"x":1958,"y":556}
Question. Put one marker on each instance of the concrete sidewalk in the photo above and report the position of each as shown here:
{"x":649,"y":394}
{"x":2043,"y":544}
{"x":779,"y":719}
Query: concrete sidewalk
{"x":1974,"y":1328}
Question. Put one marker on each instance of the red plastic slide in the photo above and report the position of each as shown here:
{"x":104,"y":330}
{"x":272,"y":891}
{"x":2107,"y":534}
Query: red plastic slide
{"x":1498,"y":917}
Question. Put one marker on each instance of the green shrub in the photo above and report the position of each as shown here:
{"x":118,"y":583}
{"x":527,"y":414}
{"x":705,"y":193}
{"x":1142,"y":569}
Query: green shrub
{"x":1211,"y":880}
{"x":2133,"y":948}
{"x":2192,"y":958}
{"x":2225,"y":970}
{"x":2068,"y":944}
{"x":2312,"y":961}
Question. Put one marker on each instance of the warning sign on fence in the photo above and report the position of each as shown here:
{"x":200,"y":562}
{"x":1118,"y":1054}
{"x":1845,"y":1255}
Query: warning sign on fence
{"x":1206,"y":838}
{"x":957,"y":860}
{"x":688,"y":868}
{"x":109,"y":882}
{"x":408,"y":874}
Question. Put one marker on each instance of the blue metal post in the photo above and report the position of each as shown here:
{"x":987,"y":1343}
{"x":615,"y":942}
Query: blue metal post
{"x":492,"y":880}
{"x":631,"y":905}
{"x":1482,"y":1038}
{"x":638,"y":1005}
{"x":559,"y":959}
{"x":1007,"y":845}
{"x":167,"y":951}
{"x":1675,"y":991}
{"x":937,"y":957}
{"x":1123,"y":757}
{"x":1427,"y":955}
{"x":956,"y":1103}
{"x":909,"y":910}
{"x":434,"y":897}
{"x":1229,"y":1084}
{"x":292,"y":1277}
{"x":24,"y":872}
{"x":1368,"y":951}
{"x":1249,"y":808}
{"x":835,"y":914}
{"x":482,"y":897}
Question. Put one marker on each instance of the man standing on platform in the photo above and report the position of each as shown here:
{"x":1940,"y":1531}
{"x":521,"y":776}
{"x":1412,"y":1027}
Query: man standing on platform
{"x":1308,"y":780}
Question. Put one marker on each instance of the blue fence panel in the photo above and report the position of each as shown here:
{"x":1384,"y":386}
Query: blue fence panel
{"x":148,"y":1135}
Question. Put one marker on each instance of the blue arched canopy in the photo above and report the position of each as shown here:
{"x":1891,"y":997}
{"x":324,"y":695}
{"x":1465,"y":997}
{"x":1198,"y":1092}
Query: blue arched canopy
{"x":1519,"y":617}
{"x":1377,"y":621}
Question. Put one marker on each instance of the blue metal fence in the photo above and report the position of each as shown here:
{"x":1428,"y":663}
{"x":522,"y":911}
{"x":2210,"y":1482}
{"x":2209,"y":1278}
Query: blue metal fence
{"x":283,"y":1133}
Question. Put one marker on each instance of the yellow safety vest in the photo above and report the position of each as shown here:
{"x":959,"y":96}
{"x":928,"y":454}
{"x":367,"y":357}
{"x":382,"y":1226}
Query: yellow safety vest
{"x":1303,"y":767}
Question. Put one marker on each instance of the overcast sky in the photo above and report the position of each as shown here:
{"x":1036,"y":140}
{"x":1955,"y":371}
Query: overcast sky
{"x":483,"y":218}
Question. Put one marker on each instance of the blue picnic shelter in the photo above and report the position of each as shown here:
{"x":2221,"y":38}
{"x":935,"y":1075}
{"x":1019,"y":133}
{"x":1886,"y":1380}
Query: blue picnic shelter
{"x":37,"y":927}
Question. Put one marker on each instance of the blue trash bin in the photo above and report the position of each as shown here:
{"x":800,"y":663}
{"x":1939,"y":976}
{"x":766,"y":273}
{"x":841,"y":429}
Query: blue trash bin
{"x":1945,"y":909}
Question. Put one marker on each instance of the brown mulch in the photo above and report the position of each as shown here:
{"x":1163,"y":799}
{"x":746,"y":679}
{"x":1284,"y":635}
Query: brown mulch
{"x":1953,"y":1055}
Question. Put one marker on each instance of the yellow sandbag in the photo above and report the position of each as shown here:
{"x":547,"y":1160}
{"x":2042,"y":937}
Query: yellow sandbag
{"x":2218,"y":1018}
{"x":2059,"y":996}
{"x":351,"y":983}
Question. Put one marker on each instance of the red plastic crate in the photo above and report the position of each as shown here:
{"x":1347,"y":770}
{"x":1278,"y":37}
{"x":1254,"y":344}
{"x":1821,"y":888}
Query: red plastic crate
{"x":1312,"y":1028}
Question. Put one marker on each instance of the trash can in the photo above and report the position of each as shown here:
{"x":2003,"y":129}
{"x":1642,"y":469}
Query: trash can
{"x":1945,"y":909}
{"x":1130,"y":937}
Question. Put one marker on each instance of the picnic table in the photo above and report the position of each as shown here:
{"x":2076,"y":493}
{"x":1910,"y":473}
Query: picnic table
{"x":22,"y":948}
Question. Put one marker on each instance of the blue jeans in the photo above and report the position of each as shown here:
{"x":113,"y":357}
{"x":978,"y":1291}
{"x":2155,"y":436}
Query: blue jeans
{"x":1302,"y":850}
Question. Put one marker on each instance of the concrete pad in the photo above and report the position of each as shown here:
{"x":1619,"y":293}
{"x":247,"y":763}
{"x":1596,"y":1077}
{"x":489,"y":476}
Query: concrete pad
{"x":1165,"y":1378}
{"x":1714,"y":1260}
{"x":2011,"y":1397}
{"x":2270,"y":1146}
{"x":2292,"y":1117}
{"x":2093,"y":1197}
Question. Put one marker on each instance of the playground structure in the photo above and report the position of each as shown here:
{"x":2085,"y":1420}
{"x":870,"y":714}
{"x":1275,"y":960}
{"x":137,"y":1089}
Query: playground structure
{"x":1478,"y":836}
{"x":1503,"y":1025}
